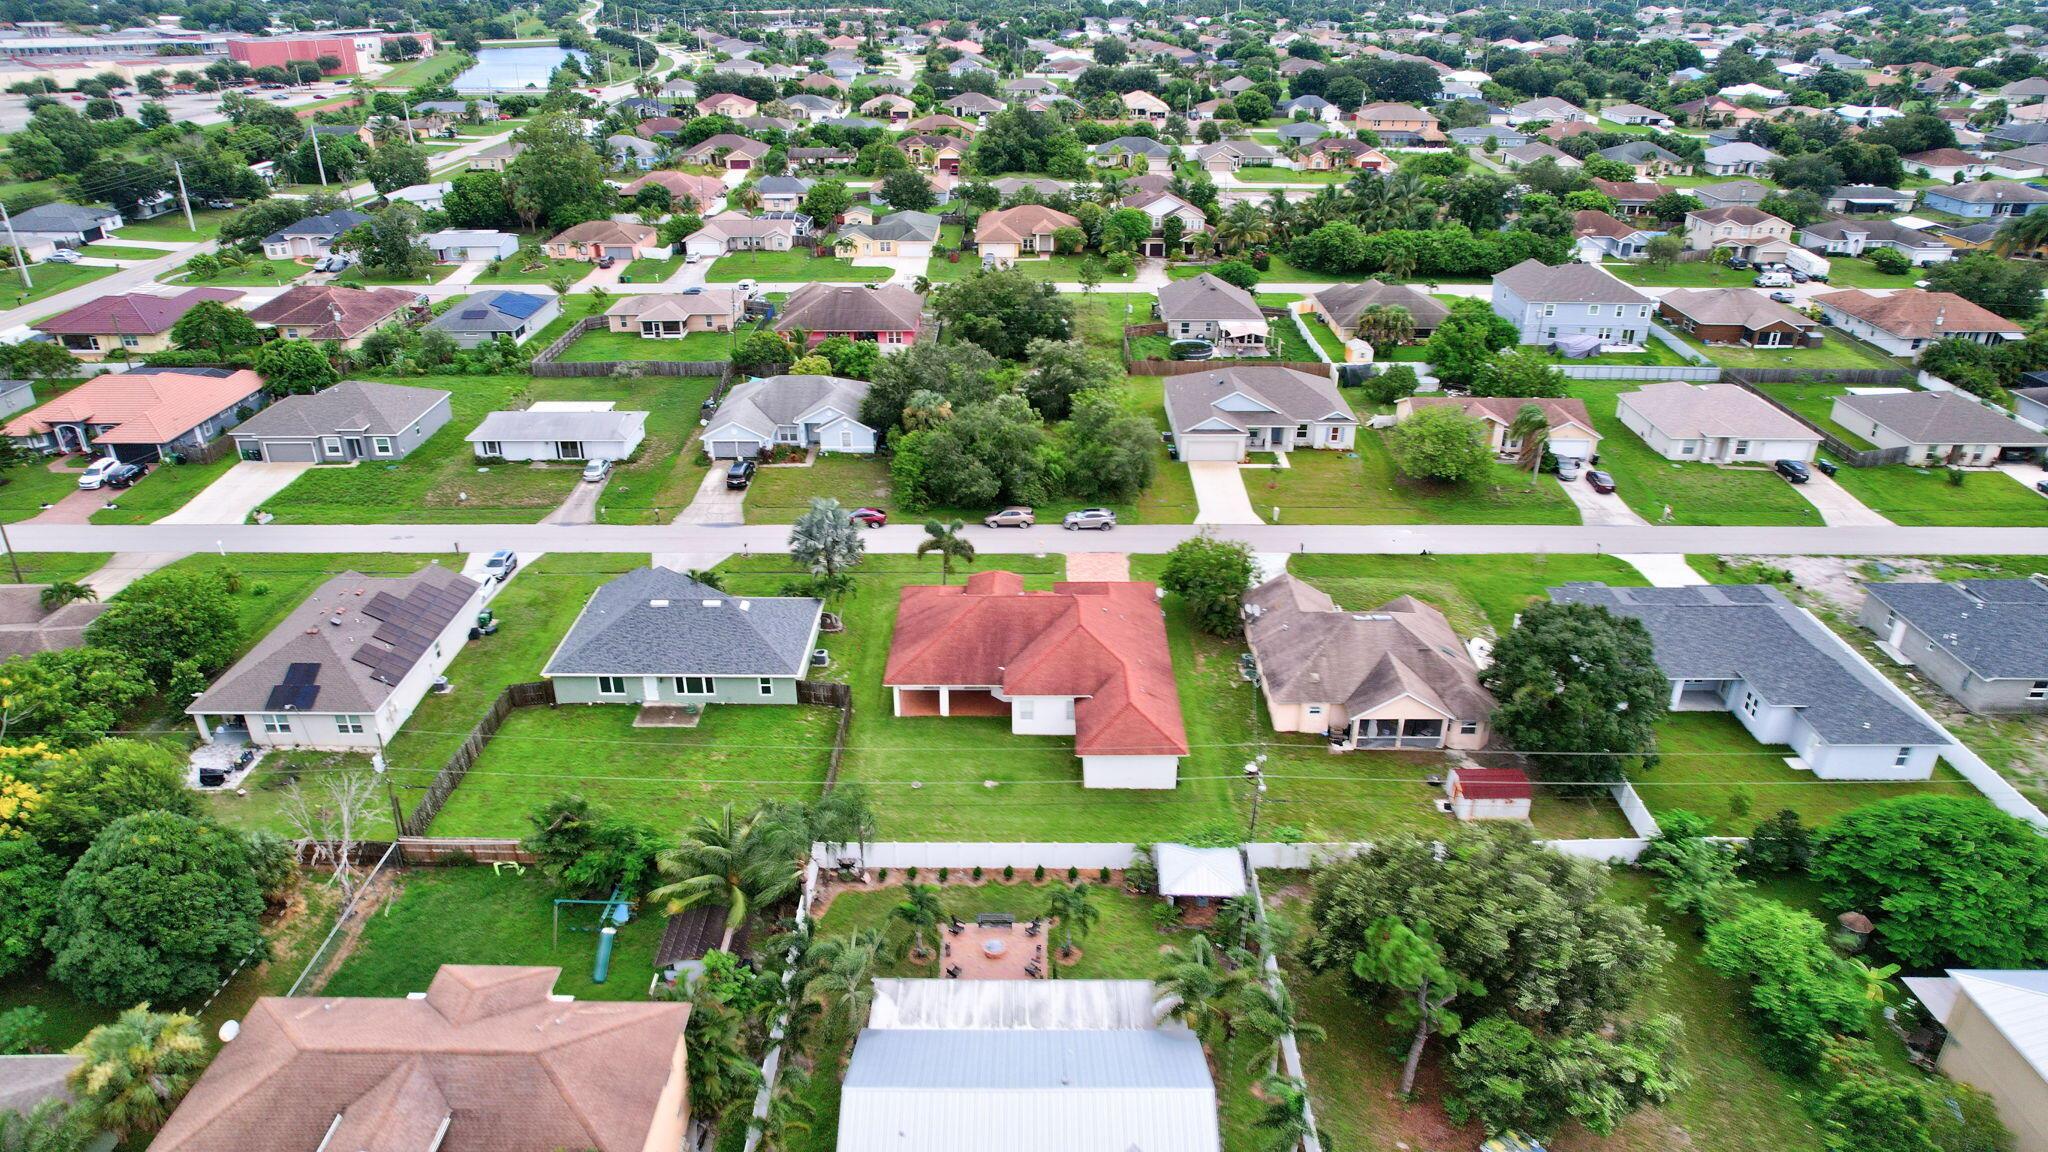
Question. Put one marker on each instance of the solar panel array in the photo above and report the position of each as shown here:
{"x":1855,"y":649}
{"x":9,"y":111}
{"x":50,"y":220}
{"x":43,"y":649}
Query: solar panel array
{"x":298,"y":691}
{"x":406,"y":629}
{"x":519,"y":304}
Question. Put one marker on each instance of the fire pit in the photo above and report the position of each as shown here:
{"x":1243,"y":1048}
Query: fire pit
{"x":993,"y":948}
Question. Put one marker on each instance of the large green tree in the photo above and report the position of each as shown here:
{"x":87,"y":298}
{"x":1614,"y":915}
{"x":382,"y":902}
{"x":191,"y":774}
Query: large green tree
{"x":1511,"y":1077}
{"x":558,"y":177}
{"x":160,"y":908}
{"x":211,"y":326}
{"x":294,"y":367}
{"x":29,"y":881}
{"x":86,"y":790}
{"x":1800,"y":992}
{"x":1579,"y":692}
{"x":1949,"y":881}
{"x":1061,"y":370}
{"x":1111,"y":447}
{"x":389,"y":242}
{"x":1003,"y":312}
{"x":172,"y":624}
{"x":958,"y":374}
{"x":394,"y":166}
{"x":477,"y":200}
{"x":1443,"y":444}
{"x":1211,"y":576}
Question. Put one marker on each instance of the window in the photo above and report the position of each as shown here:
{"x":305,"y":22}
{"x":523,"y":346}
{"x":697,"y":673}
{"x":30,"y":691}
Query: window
{"x":349,"y":725}
{"x":1315,"y":709}
{"x":1468,"y":727}
{"x":490,"y":448}
{"x":611,"y":685}
{"x":767,"y":686}
{"x":1592,"y":309}
{"x":380,"y":445}
{"x":331,"y":445}
{"x":275,"y":723}
{"x":1643,"y":312}
{"x":1904,"y":755}
{"x":693,"y":685}
{"x":1749,"y":705}
{"x":2039,"y":691}
{"x":1025,"y":709}
{"x":1742,"y":447}
{"x":131,"y":342}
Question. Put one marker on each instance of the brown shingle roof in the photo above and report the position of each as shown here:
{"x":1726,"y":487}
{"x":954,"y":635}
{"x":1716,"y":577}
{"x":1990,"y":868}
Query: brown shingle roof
{"x":331,"y":311}
{"x":487,"y":1052}
{"x":1312,"y":652}
{"x":1917,"y":315}
{"x":1743,"y":306}
{"x":1011,"y":225}
{"x":851,"y":308}
{"x":604,"y":232}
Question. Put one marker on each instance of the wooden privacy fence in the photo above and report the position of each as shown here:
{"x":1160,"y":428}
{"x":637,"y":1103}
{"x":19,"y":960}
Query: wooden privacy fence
{"x":528,"y":695}
{"x":1880,"y":376}
{"x":1836,"y":446}
{"x":1190,"y":367}
{"x":838,"y":696}
{"x":545,"y":364}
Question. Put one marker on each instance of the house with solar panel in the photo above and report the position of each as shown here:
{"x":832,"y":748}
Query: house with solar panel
{"x":482,"y":318}
{"x":346,"y":669}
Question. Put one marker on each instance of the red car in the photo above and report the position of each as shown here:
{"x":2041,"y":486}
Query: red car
{"x":870,"y":517}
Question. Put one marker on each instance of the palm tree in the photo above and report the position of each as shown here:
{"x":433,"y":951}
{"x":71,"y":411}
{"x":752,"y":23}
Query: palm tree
{"x":789,"y":1111}
{"x":1284,"y":1121}
{"x":1280,"y":215}
{"x":1074,"y":909}
{"x":1386,"y":325}
{"x":746,"y":197}
{"x":1197,"y":989}
{"x":922,"y":911}
{"x":743,"y":864}
{"x":1242,"y":227}
{"x":708,"y":577}
{"x":721,"y":1074}
{"x":1877,"y":986}
{"x":1110,"y":188}
{"x":844,"y":970}
{"x":1269,"y":1013}
{"x":1399,"y":263}
{"x":645,"y":85}
{"x":1323,"y":207}
{"x":62,"y":592}
{"x":51,"y":1126}
{"x":946,"y":540}
{"x":1529,"y":429}
{"x":2022,"y":235}
{"x":136,"y":1069}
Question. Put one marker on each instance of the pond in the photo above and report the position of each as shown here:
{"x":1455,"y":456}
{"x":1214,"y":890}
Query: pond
{"x":512,"y":69}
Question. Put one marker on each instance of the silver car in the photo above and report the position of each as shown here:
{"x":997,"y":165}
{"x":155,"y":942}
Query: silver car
{"x":596,"y":470}
{"x":1101,"y":519}
{"x":1017,"y":516}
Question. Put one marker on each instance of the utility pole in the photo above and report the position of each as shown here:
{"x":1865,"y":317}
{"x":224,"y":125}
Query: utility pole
{"x":183,"y":199}
{"x":318,"y":163}
{"x":11,"y":561}
{"x":20,"y":260}
{"x":1255,"y":773}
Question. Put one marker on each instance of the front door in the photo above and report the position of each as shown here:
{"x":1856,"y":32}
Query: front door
{"x":354,"y":444}
{"x":569,"y":450}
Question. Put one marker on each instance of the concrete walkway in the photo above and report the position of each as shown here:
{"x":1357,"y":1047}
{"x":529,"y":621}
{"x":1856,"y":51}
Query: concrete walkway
{"x":1220,"y":496}
{"x":1664,"y":570}
{"x":125,"y":568}
{"x":714,"y":503}
{"x":1838,"y":508}
{"x":466,"y":273}
{"x":1598,"y":507}
{"x":1098,"y":566}
{"x":240,"y":491}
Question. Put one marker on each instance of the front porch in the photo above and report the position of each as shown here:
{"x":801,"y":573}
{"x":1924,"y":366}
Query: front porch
{"x":1700,"y":695}
{"x":1388,"y":734}
{"x":949,"y":702}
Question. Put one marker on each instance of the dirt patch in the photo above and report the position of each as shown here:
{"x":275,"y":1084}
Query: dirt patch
{"x":383,"y":887}
{"x":1839,"y":580}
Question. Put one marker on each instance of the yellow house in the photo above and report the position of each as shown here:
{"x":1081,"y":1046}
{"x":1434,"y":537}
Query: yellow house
{"x":1997,"y":1024}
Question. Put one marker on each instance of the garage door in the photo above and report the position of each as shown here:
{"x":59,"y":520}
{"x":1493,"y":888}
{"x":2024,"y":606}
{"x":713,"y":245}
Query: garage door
{"x":733,"y":449}
{"x":289,"y":452}
{"x":1209,"y":448}
{"x":619,"y":253}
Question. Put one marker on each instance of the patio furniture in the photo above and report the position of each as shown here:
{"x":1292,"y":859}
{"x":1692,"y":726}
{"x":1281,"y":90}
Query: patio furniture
{"x":996,"y":920}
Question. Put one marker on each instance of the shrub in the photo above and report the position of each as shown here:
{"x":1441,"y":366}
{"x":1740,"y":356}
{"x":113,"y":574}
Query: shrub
{"x":1009,"y":873}
{"x":1038,"y":874}
{"x":943,"y":872}
{"x":977,"y":872}
{"x":1800,"y":993}
{"x":1891,"y":262}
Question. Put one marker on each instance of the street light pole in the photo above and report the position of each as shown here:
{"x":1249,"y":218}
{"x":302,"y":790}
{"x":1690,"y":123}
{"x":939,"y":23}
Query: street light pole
{"x":1255,"y":773}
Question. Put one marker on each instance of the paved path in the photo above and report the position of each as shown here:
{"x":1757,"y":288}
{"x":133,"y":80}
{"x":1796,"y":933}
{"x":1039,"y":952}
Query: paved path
{"x":715,"y":504}
{"x":1352,"y":539}
{"x":580,"y":506}
{"x":466,"y":273}
{"x":240,"y":491}
{"x":125,"y":568}
{"x":1838,"y":507}
{"x":1598,"y":507}
{"x":1664,"y":570}
{"x":1098,"y":566}
{"x":1220,"y":496}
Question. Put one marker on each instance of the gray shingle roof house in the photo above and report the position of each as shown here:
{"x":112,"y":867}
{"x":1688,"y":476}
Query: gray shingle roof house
{"x":1934,"y":427}
{"x":1984,"y":641}
{"x":352,"y":420}
{"x":1018,"y":1058}
{"x":312,"y":236}
{"x":560,"y":431}
{"x":1208,"y":308}
{"x":346,"y":668}
{"x":1224,"y":414}
{"x":1746,"y":650}
{"x":1395,"y":676}
{"x":655,"y":636}
{"x":67,"y":223}
{"x":759,"y":413}
{"x":1341,"y":305}
{"x":484,"y":317}
{"x":1550,"y":304}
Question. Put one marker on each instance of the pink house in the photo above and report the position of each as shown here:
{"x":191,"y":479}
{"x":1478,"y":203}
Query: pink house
{"x":889,"y":315}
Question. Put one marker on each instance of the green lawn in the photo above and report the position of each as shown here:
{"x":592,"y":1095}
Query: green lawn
{"x":1696,"y":493}
{"x":51,"y":567}
{"x":1924,"y":496}
{"x":359,"y":275}
{"x":428,"y":70}
{"x":794,"y":267}
{"x":26,"y":487}
{"x":1333,"y":344}
{"x":117,"y":252}
{"x":1655,"y":353}
{"x":1265,"y":174}
{"x":1062,"y":269}
{"x":1478,"y":594}
{"x":1843,"y":272}
{"x":479,"y":915}
{"x":1710,"y":765}
{"x":1279,"y":271}
{"x":1284,"y":342}
{"x":50,"y":279}
{"x":646,"y":271}
{"x":603,"y":345}
{"x":1816,"y":402}
{"x":739,"y":754}
{"x":528,"y":266}
{"x":442,"y":483}
{"x":1835,"y":351}
{"x":166,"y":489}
{"x":261,"y":274}
{"x":1366,"y":487}
{"x":172,"y":228}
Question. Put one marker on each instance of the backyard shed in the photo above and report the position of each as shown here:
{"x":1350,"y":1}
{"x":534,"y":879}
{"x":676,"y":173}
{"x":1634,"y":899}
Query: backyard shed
{"x":1197,"y":876}
{"x":1489,"y":793}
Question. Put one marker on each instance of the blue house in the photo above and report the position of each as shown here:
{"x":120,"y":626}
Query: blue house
{"x":1987,"y":199}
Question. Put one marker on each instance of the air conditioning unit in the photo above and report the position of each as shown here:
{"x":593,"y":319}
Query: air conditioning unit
{"x":820,"y":658}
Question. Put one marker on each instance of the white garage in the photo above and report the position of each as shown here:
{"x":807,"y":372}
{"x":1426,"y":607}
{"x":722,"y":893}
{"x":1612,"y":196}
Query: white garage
{"x":1198,"y":446}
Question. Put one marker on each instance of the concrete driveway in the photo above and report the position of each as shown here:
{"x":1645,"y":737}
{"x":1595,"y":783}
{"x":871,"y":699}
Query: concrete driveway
{"x":1837,"y":507}
{"x":902,"y":269}
{"x":75,"y":507}
{"x":714,"y":503}
{"x":580,"y":507}
{"x":1220,"y":496}
{"x":467,"y":272}
{"x":240,"y":491}
{"x":606,"y":278}
{"x":1597,"y":507}
{"x":2027,"y":474}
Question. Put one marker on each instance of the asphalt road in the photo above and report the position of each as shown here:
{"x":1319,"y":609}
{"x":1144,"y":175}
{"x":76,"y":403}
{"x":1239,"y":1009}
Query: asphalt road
{"x":1467,"y":539}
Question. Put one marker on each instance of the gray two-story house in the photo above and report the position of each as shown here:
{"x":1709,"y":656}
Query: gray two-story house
{"x":1984,"y":641}
{"x":1549,"y":304}
{"x":655,"y":637}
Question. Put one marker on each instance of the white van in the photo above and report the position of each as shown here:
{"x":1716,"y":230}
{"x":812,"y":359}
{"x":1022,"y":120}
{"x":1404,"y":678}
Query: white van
{"x":95,"y":474}
{"x":1774,"y":280}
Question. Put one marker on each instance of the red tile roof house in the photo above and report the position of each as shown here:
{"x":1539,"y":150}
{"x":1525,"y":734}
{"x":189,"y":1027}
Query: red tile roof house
{"x":322,"y":312}
{"x":701,"y":192}
{"x":889,"y":315}
{"x":595,"y":239}
{"x":1087,"y":659}
{"x":131,"y":324}
{"x":142,"y":414}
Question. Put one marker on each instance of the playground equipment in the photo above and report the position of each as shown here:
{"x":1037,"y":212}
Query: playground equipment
{"x":615,"y":913}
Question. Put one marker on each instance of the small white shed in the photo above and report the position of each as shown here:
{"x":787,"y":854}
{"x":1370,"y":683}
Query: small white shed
{"x":1198,"y":877}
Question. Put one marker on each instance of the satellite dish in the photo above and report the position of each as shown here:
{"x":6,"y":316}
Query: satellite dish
{"x":229,"y":1030}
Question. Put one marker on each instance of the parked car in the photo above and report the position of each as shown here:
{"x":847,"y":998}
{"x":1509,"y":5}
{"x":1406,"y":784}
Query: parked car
{"x":1738,"y":263}
{"x":606,"y":261}
{"x":740,"y":474}
{"x":220,"y":203}
{"x":1784,"y":297}
{"x":1824,"y":466}
{"x":596,"y":470}
{"x":1599,"y":481}
{"x":1793,"y":470}
{"x":337,"y":262}
{"x":62,"y":256}
{"x":1100,"y":519}
{"x":1568,"y":467}
{"x":126,"y":475}
{"x":1774,"y":280}
{"x":1016,"y":516}
{"x":1799,"y":277}
{"x":502,"y":564}
{"x":868,"y":517}
{"x":748,"y":289}
{"x":96,"y":473}
{"x":2041,"y":486}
